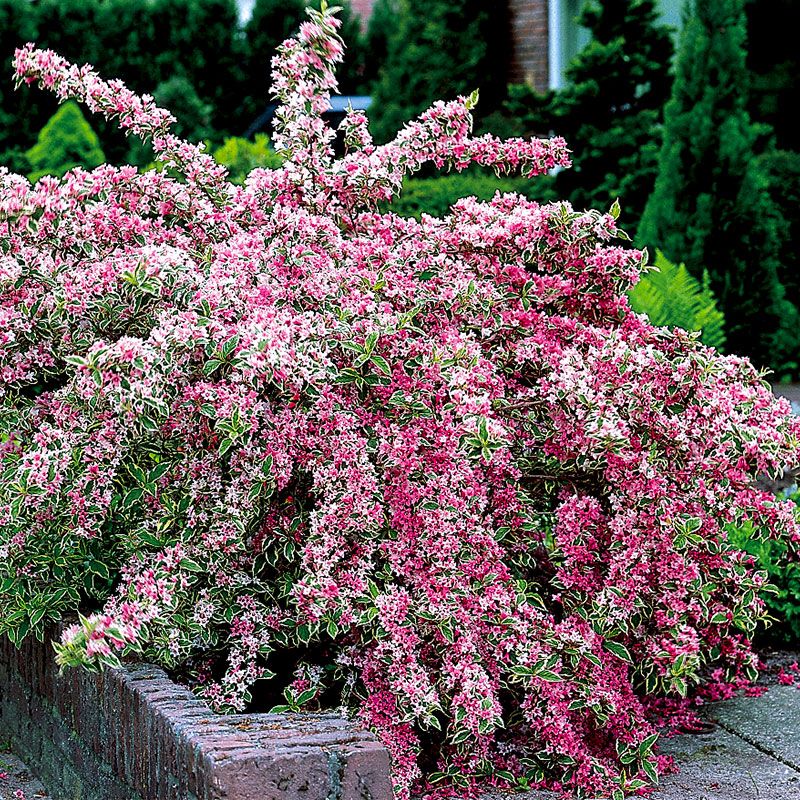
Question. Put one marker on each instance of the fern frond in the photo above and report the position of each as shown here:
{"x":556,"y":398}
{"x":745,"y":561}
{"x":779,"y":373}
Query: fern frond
{"x":671,"y":297}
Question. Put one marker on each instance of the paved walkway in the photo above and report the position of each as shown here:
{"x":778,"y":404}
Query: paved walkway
{"x":752,"y":752}
{"x":15,"y":777}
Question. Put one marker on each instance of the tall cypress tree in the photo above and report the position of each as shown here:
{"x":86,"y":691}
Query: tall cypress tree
{"x":382,"y":21}
{"x":611,"y":109}
{"x":441,"y":49}
{"x":774,"y":61}
{"x":710,"y":207}
{"x":70,"y":27}
{"x":200,"y":40}
{"x":351,"y":72}
{"x":271,"y":22}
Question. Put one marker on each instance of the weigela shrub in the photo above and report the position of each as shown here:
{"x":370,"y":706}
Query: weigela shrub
{"x":436,"y":471}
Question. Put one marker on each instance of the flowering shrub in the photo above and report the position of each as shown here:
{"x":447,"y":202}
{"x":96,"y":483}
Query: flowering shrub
{"x":436,"y":471}
{"x":779,"y":561}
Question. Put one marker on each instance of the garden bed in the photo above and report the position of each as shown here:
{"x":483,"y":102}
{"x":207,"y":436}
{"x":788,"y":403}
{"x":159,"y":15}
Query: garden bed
{"x":133,"y":734}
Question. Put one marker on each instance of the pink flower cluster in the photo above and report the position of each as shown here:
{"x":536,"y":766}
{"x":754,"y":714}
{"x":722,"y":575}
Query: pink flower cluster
{"x":434,"y":471}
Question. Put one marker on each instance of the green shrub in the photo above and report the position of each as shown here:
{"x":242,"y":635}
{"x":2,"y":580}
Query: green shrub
{"x":17,"y":109}
{"x":711,"y":203}
{"x":671,"y":297}
{"x":774,"y":61}
{"x":779,"y":560}
{"x":241,"y":156}
{"x":66,"y":141}
{"x":201,"y":40}
{"x":782,"y":171}
{"x":440,"y":49}
{"x":192,"y":115}
{"x":435,"y":196}
{"x":271,"y":21}
{"x":382,"y":21}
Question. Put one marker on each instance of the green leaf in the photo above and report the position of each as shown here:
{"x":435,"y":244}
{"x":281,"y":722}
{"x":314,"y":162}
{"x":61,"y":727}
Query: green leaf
{"x":305,"y":696}
{"x":371,"y":341}
{"x":650,"y":770}
{"x":133,"y":496}
{"x":619,"y":650}
{"x":304,"y":633}
{"x":382,"y":364}
{"x":460,"y":736}
{"x":646,"y":745}
{"x":230,"y":345}
{"x":148,"y":538}
{"x":157,"y":472}
{"x":670,"y":296}
{"x":148,"y":423}
{"x":138,"y":473}
{"x":99,"y":568}
{"x":37,"y":615}
{"x":680,"y":686}
{"x":78,"y":361}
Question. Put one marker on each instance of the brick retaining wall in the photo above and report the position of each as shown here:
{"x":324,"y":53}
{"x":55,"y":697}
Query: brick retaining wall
{"x":133,"y":734}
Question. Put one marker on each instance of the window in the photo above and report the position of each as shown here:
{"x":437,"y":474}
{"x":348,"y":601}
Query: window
{"x":567,"y":38}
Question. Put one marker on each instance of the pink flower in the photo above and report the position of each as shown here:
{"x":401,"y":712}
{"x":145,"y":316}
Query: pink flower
{"x":439,"y":465}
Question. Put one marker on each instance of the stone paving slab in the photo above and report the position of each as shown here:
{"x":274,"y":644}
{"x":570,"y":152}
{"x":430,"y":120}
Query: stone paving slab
{"x":714,"y":766}
{"x":772,"y":723}
{"x":722,"y":766}
{"x":15,"y":776}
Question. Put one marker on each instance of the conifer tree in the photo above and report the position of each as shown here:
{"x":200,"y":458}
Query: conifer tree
{"x":199,"y":39}
{"x":710,"y":207}
{"x":66,"y":141}
{"x":18,"y":22}
{"x":382,"y":21}
{"x":271,"y":22}
{"x":611,"y":108}
{"x":274,"y":21}
{"x":351,"y":74}
{"x":441,"y":49}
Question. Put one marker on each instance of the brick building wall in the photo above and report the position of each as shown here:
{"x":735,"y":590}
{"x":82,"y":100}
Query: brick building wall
{"x":529,"y":34}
